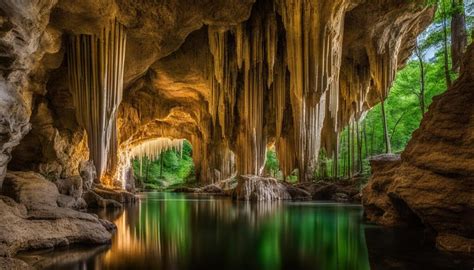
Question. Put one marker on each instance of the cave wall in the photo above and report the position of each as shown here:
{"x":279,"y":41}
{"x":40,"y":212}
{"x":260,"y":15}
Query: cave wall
{"x":26,"y":42}
{"x":432,"y":183}
{"x":180,"y":54}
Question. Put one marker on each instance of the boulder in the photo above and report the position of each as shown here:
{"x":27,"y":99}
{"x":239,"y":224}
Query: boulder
{"x":46,"y":228}
{"x":93,"y":200}
{"x":71,"y":186}
{"x":340,"y":197}
{"x":377,"y":205}
{"x":31,"y":218}
{"x":13,"y":264}
{"x":88,"y":174}
{"x":340,"y":191}
{"x":211,"y":189}
{"x":255,"y":188}
{"x":118,"y":195}
{"x":71,"y":202}
{"x":323,"y":191}
{"x":455,"y":243}
{"x":298,"y":194}
{"x":30,"y":189}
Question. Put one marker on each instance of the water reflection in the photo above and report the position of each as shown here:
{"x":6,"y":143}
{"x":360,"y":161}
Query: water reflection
{"x":175,"y":231}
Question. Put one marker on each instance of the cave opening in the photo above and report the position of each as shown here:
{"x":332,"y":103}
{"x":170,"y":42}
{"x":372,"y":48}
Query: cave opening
{"x":162,"y":162}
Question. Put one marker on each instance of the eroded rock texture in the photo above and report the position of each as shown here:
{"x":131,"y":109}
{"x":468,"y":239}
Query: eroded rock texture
{"x":432,"y":183}
{"x":229,"y":76}
{"x":254,"y":188}
{"x":31,"y":217}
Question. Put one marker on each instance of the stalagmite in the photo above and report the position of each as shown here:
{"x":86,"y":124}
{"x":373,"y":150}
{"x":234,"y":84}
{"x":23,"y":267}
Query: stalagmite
{"x":96,"y":67}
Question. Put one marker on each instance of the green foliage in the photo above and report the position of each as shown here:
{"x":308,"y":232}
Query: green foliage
{"x":272,"y":165}
{"x":170,"y":168}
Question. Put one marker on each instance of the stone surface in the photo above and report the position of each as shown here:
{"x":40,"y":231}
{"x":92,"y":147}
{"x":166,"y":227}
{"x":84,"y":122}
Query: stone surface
{"x":88,"y":174}
{"x":298,"y":194}
{"x":255,"y":188}
{"x":211,"y":189}
{"x":432,"y":183}
{"x":46,"y":228}
{"x":13,"y":264}
{"x":30,"y":189}
{"x":71,"y":186}
{"x":71,"y":202}
{"x":31,"y":218}
{"x":94,"y":200}
{"x":118,"y":195}
{"x":455,"y":243}
{"x":341,"y":191}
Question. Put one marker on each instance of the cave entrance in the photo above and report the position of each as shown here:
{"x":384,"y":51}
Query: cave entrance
{"x":272,"y":166}
{"x":162,"y":162}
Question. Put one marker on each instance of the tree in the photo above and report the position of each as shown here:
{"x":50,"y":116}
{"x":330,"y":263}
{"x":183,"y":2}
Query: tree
{"x":444,"y":17}
{"x":388,"y":147}
{"x":421,"y":93}
{"x":458,"y":34}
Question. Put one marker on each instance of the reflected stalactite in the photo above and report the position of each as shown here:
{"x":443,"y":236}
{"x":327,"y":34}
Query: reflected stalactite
{"x":96,"y":68}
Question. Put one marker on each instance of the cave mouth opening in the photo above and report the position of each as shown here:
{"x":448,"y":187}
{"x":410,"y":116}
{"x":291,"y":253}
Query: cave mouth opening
{"x":273,"y":168}
{"x":162,"y":162}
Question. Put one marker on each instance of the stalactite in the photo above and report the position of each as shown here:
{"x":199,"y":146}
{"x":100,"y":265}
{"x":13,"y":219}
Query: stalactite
{"x":307,"y":72}
{"x":96,"y":67}
{"x":313,"y":43}
{"x":279,"y":76}
{"x":152,"y":149}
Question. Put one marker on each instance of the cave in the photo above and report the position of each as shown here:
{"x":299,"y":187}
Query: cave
{"x":262,"y":106}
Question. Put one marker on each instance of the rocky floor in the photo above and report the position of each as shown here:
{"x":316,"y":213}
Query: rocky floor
{"x":38,"y":213}
{"x":254,"y":188}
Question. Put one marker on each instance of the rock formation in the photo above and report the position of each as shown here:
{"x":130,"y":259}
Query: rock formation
{"x":32,"y":219}
{"x":431,"y":184}
{"x":253,"y":188}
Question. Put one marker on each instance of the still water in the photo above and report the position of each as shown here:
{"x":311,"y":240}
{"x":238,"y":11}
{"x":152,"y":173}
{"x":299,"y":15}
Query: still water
{"x":182,"y":231}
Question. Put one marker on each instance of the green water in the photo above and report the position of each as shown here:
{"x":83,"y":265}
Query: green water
{"x":177,"y":231}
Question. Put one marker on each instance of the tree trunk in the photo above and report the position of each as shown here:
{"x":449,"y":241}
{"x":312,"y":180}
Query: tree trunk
{"x":421,"y":96}
{"x":147,"y":169}
{"x":458,"y":34}
{"x":336,"y":158}
{"x":364,"y":131}
{"x":396,"y":124}
{"x":353,"y":139}
{"x":359,"y":148}
{"x":161,"y":167}
{"x":349,"y":175}
{"x":445,"y":47}
{"x":372,"y":139}
{"x":388,"y":147}
{"x":344,"y":165}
